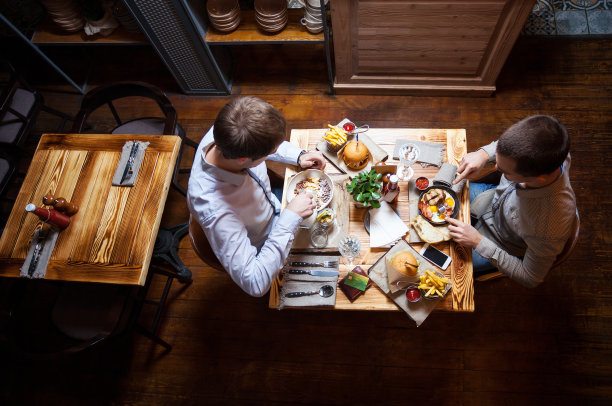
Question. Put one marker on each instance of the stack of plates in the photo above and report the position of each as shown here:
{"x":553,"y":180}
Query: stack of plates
{"x":271,"y":15}
{"x":65,"y":13}
{"x":224,"y":15}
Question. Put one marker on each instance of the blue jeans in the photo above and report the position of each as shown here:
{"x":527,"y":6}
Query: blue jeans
{"x":481,"y":265}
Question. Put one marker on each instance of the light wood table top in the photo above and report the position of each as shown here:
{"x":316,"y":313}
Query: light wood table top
{"x":461,"y":297}
{"x":111,"y":238}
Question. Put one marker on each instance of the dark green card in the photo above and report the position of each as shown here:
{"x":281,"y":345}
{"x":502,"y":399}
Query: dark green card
{"x":357,"y":281}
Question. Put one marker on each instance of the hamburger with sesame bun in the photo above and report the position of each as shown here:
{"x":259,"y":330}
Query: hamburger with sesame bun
{"x":356,"y":155}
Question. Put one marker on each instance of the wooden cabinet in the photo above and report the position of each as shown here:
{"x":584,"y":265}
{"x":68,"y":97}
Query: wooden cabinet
{"x":423,"y":47}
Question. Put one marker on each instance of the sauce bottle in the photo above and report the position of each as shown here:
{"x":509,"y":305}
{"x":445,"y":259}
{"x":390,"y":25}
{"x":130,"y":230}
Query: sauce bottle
{"x":391,"y":191}
{"x":50,"y":216}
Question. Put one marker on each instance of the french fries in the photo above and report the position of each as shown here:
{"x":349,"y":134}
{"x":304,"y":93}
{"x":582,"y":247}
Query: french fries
{"x":433,"y":284}
{"x":335,"y":135}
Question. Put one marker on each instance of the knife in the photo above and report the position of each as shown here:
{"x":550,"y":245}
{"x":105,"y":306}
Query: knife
{"x":40,"y":243}
{"x":313,"y":273}
{"x":128,"y":166}
{"x":324,"y":264}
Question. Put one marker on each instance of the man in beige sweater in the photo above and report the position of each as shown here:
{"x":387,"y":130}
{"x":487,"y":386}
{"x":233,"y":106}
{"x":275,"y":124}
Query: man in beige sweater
{"x":524,"y":222}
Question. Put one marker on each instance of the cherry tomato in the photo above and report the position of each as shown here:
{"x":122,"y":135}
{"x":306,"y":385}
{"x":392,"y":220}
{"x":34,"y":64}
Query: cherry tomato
{"x":348,"y":127}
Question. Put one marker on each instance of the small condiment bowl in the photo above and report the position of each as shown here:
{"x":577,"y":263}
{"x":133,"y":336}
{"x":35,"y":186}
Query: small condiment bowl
{"x":422,"y":183}
{"x":413,"y":294}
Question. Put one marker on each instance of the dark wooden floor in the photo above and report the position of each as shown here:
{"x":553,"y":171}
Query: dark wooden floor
{"x":551,"y":345}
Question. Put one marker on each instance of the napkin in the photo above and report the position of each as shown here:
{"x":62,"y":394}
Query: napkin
{"x":47,"y":237}
{"x":431,"y":153}
{"x":378,"y":273}
{"x":307,"y":283}
{"x":123,"y":161}
{"x":446,"y":175}
{"x":386,"y":226}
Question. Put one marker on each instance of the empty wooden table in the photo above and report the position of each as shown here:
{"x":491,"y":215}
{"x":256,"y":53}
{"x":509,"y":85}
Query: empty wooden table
{"x":461,"y":297}
{"x":111,"y":238}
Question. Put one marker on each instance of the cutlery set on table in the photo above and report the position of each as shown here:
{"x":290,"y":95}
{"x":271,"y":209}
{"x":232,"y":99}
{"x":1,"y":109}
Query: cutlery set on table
{"x":309,"y":280}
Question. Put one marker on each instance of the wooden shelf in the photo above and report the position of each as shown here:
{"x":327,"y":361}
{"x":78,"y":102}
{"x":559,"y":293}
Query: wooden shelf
{"x":48,"y":33}
{"x":249,"y":33}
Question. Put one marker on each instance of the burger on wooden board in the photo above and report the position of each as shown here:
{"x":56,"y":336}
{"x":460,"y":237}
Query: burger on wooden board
{"x":356,"y":155}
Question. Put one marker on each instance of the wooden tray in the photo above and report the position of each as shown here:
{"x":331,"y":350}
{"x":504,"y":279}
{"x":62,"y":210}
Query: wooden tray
{"x":376,"y":154}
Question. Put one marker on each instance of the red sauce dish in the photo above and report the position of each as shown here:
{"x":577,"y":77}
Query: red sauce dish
{"x":348,"y":127}
{"x":422,"y":183}
{"x":413,"y":294}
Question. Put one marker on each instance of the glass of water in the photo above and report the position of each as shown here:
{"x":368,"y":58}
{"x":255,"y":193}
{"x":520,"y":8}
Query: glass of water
{"x":349,"y":247}
{"x":408,"y":155}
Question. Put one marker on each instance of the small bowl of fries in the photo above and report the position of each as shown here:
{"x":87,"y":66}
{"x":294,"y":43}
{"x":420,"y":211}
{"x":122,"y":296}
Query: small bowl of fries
{"x":433,"y":284}
{"x":335,"y":138}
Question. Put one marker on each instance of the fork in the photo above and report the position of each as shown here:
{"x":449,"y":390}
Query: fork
{"x":324,"y":264}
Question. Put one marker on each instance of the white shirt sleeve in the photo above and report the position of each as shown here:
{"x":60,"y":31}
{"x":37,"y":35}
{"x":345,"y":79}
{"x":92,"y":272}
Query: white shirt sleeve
{"x":253,"y":271}
{"x":286,"y":153}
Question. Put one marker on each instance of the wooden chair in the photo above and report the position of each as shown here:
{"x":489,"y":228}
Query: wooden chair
{"x":201,"y":246}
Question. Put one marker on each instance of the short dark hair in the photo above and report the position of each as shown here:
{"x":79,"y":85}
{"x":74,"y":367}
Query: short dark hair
{"x":538,"y":144}
{"x":248,"y":127}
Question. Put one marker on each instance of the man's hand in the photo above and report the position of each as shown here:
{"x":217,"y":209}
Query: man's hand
{"x":471,"y":164}
{"x":303,"y":204}
{"x":463,"y":233}
{"x":312,"y":160}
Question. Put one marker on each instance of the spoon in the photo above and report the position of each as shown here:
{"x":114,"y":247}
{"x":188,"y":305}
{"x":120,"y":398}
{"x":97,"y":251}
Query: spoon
{"x":325,"y":291}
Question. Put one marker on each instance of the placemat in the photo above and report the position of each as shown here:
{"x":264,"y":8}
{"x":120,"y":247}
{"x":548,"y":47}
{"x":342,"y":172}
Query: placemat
{"x":307,"y":283}
{"x":41,"y":247}
{"x":431,"y":153}
{"x":138,"y":153}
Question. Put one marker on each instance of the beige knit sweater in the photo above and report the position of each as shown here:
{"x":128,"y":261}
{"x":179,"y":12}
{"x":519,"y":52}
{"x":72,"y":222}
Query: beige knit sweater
{"x":525,"y":229}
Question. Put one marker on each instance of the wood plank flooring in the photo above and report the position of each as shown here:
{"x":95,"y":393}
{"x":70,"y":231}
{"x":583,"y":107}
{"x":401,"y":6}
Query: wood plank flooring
{"x":551,"y":345}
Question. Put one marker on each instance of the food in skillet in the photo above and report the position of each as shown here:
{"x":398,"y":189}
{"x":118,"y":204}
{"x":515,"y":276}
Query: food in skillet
{"x":319,"y":188}
{"x":436,"y":205}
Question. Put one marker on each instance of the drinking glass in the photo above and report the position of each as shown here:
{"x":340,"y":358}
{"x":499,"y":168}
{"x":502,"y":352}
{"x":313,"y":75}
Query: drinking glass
{"x":349,"y":247}
{"x":408,"y":155}
{"x":319,"y":234}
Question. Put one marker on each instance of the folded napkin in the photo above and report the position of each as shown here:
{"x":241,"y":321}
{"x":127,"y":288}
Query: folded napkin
{"x":41,"y":246}
{"x":446,"y":175}
{"x":124,"y":161}
{"x":418,"y":311}
{"x":386,"y":226}
{"x":307,"y":283}
{"x":431,"y":153}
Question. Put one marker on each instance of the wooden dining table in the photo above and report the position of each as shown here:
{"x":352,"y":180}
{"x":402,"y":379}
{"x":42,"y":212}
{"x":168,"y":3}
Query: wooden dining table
{"x":461,"y":295}
{"x":111,"y":237}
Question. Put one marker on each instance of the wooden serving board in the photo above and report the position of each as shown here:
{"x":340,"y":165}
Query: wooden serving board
{"x":376,"y":154}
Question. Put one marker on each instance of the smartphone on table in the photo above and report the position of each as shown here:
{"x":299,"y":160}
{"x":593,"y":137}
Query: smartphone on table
{"x":435,"y":256}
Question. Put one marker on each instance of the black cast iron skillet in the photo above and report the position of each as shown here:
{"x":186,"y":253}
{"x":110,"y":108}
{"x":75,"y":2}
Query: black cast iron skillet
{"x":451,"y":192}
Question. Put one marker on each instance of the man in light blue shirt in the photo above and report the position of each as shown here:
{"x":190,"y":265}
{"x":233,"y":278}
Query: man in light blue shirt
{"x":230,"y":196}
